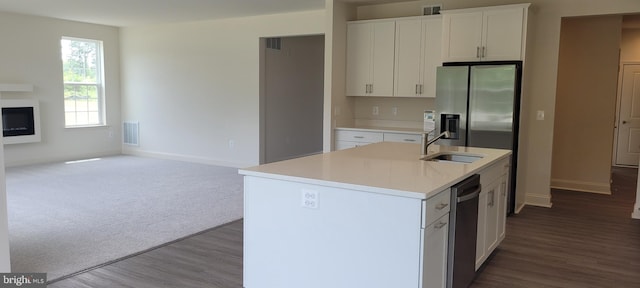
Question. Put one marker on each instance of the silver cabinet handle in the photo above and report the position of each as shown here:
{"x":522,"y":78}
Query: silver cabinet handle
{"x":477,"y":51}
{"x":440,"y":225}
{"x":417,"y":88}
{"x":358,"y":137}
{"x":370,"y":88}
{"x":421,"y":89}
{"x":409,"y":140}
{"x":492,"y":193}
{"x":484,"y":51}
{"x":441,"y":206}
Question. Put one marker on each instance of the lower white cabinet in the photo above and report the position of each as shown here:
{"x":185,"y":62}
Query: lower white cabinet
{"x":351,"y":138}
{"x":434,"y":272}
{"x":492,"y":210}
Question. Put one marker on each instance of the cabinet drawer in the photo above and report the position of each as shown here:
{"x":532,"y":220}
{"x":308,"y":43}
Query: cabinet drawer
{"x":340,"y":145}
{"x":491,"y":173}
{"x":437,"y":206}
{"x":402,"y":137}
{"x":358,"y":136}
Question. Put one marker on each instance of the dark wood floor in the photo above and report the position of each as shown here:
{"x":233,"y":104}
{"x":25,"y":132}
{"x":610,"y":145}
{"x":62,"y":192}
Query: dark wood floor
{"x":585,"y":240}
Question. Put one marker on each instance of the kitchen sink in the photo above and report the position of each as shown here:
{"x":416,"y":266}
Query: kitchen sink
{"x":453,"y":157}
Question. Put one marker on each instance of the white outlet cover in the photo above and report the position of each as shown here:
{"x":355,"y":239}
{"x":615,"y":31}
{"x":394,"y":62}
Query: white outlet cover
{"x":309,"y":199}
{"x":376,"y":110}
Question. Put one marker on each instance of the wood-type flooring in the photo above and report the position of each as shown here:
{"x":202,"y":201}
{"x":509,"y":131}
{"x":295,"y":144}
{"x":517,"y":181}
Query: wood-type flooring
{"x":585,"y":240}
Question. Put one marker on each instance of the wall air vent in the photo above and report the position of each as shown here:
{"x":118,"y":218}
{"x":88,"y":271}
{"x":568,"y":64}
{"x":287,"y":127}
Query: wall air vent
{"x":274,"y":43}
{"x":431,"y":10}
{"x":130,"y":133}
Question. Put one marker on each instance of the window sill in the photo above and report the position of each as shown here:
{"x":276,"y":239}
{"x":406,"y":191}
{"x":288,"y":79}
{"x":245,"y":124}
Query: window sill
{"x":87,"y":126}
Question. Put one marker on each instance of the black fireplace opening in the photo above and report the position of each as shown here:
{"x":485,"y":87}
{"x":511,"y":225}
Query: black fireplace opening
{"x":18,"y":121}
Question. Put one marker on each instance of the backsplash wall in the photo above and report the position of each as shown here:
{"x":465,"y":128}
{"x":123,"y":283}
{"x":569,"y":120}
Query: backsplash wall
{"x":409,"y":111}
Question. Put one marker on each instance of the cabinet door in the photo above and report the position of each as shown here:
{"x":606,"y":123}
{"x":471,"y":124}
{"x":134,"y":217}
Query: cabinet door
{"x":462,"y":37}
{"x":491,"y":227}
{"x":502,"y":209}
{"x":502,"y":34}
{"x":432,"y":46}
{"x":434,"y":269}
{"x":408,"y":54}
{"x":482,"y":223}
{"x":359,"y":54}
{"x":382,"y":58}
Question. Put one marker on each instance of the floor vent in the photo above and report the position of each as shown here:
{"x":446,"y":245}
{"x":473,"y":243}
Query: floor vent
{"x":131,"y":132}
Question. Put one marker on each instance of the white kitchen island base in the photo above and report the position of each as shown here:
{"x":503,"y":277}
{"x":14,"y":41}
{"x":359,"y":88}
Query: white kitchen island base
{"x":301,"y":235}
{"x":373,"y":216}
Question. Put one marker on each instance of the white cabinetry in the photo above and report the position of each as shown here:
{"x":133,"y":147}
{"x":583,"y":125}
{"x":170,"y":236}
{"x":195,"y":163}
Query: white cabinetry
{"x":417,"y":55}
{"x":484,"y":34}
{"x":353,"y":138}
{"x":338,"y":241}
{"x":492,"y":210}
{"x":370,"y":52}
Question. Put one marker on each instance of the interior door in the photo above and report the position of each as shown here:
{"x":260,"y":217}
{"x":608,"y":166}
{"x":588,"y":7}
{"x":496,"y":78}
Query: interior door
{"x":628,"y":147}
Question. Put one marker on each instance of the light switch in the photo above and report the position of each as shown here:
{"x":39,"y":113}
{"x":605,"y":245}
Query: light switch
{"x":375,"y":110}
{"x":540,"y":115}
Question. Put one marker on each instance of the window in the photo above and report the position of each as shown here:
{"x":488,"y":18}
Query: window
{"x":83,"y":84}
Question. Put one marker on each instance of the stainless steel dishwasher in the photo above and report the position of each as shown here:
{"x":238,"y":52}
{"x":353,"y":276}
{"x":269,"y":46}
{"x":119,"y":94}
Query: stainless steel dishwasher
{"x":463,"y":232}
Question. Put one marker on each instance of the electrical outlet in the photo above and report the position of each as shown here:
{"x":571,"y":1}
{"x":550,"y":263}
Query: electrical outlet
{"x":540,"y":115}
{"x":310,"y":199}
{"x":394,"y":111}
{"x":232,"y":144}
{"x":375,"y":110}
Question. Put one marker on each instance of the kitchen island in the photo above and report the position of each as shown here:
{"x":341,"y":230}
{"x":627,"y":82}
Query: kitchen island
{"x":372,"y":216}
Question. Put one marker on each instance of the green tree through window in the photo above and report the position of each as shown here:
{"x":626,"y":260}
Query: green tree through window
{"x":82,"y":74}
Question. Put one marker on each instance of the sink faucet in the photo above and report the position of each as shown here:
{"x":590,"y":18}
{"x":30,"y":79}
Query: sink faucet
{"x":425,"y":143}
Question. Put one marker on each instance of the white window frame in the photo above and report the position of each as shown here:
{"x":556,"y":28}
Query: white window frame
{"x":99,"y":86}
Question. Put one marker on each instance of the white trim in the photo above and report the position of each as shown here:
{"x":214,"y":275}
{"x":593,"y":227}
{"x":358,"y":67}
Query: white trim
{"x":582,"y":186}
{"x":519,"y":208}
{"x":636,"y":211}
{"x":186,"y":158}
{"x":538,"y":200}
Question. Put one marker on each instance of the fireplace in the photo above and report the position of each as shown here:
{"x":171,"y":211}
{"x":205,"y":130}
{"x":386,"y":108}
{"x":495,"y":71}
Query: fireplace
{"x":20,"y":121}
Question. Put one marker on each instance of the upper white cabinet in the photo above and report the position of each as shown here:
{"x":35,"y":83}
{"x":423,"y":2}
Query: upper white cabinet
{"x":417,"y":55}
{"x":484,"y":34}
{"x":370,"y":53}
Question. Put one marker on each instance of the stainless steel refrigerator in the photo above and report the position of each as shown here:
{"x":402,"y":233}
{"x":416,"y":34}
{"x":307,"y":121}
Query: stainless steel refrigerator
{"x":479,"y":103}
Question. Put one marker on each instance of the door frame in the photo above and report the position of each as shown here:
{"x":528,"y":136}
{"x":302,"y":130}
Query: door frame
{"x":617,"y":118}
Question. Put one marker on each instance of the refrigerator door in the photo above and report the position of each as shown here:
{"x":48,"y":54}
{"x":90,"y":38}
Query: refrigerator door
{"x":451,"y":103}
{"x":491,"y":106}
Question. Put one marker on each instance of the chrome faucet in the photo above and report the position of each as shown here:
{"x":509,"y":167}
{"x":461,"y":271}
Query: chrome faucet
{"x":425,"y":143}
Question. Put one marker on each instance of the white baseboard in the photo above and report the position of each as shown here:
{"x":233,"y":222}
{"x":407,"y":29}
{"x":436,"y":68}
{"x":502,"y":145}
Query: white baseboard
{"x":582,"y":186}
{"x":519,"y":208}
{"x":636,"y":211}
{"x":186,"y":158}
{"x":538,"y":200}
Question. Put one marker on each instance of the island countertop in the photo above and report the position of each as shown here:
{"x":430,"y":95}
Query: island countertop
{"x":386,"y":167}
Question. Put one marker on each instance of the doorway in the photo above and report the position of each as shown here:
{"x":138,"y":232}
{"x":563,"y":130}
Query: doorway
{"x":627,"y":148}
{"x":292,"y":97}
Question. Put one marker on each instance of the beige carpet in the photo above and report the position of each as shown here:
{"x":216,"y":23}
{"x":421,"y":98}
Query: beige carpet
{"x":65,"y":218}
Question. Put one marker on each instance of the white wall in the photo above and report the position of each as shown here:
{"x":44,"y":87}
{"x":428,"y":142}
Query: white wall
{"x":194,"y":87}
{"x":294,"y":96}
{"x":30,"y":54}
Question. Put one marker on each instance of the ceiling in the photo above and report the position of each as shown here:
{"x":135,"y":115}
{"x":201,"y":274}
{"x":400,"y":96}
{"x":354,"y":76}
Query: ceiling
{"x":123,"y":13}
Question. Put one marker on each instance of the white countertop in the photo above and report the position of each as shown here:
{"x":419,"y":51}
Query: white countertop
{"x":385,"y":167}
